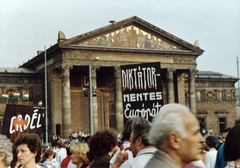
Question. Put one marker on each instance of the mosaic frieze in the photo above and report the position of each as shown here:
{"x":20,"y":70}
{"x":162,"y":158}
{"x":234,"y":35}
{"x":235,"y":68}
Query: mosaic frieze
{"x":130,"y":37}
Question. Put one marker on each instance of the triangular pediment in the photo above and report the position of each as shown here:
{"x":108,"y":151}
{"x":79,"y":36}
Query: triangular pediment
{"x":130,"y":37}
{"x":132,"y":33}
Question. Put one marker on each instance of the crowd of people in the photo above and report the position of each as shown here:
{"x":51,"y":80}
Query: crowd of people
{"x":80,"y":136}
{"x":172,"y":140}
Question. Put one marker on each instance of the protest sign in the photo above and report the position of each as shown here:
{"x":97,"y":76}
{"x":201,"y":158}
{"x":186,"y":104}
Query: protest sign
{"x":19,"y":119}
{"x":141,"y":90}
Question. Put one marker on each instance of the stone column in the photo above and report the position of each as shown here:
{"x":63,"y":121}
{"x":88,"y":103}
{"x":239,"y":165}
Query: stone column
{"x":55,"y":83}
{"x":94,"y":98}
{"x":170,"y":86}
{"x":192,"y":91}
{"x":66,"y":101}
{"x":181,"y":91}
{"x":118,"y":99}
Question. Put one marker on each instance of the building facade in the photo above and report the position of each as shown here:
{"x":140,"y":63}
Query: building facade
{"x":131,"y":41}
{"x":22,"y":80}
{"x":216,"y":100}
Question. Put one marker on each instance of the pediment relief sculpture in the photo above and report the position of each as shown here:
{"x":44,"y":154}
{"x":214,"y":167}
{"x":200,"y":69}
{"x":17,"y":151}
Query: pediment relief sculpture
{"x":130,"y":37}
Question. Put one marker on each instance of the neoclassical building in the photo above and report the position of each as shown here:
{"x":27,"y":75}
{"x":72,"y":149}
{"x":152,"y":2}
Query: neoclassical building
{"x":216,"y":100}
{"x":131,"y":41}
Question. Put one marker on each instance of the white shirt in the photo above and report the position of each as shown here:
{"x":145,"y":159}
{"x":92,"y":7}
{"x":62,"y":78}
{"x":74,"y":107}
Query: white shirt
{"x":74,"y":135}
{"x":126,"y":144}
{"x":210,"y":158}
{"x":71,"y":165}
{"x":51,"y":164}
{"x":140,"y":160}
{"x":74,"y":141}
{"x":61,"y":154}
{"x":55,"y":149}
{"x":199,"y":163}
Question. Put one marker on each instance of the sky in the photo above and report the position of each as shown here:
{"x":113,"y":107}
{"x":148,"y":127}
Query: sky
{"x":26,"y":26}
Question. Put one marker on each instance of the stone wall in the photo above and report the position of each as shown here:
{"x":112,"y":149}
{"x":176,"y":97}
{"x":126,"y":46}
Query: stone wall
{"x":215,"y":100}
{"x":224,"y":109}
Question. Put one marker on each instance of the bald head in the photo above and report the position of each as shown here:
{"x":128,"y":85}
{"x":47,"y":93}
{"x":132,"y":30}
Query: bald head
{"x":170,"y":119}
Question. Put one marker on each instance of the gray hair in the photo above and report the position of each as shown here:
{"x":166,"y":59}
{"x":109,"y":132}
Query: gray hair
{"x":131,"y":123}
{"x":6,"y":147}
{"x":169,"y":120}
{"x":141,"y":130}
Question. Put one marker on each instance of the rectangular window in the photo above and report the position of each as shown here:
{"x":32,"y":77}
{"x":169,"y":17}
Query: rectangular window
{"x":199,"y":96}
{"x":202,"y":123}
{"x":222,"y":124}
{"x":219,"y":95}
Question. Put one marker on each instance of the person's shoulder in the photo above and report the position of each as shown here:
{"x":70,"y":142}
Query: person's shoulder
{"x":154,"y":163}
{"x":127,"y":164}
{"x":207,"y":154}
{"x":221,"y":146}
{"x":39,"y":166}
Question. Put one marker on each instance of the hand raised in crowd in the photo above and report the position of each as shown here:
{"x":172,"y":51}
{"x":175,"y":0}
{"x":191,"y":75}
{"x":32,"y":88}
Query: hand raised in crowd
{"x":120,"y":159}
{"x":114,"y":150}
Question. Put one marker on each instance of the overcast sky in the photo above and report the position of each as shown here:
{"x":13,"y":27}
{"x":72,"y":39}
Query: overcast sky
{"x":26,"y":26}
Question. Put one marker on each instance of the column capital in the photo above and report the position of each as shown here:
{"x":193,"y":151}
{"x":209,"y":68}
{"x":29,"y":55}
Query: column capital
{"x":170,"y":72}
{"x":117,"y":71}
{"x":55,"y":74}
{"x":192,"y":73}
{"x":94,"y":69}
{"x":66,"y":69}
{"x":170,"y":85}
{"x":181,"y":77}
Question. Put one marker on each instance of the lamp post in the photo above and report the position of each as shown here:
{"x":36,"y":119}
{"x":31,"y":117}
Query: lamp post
{"x":90,"y":95}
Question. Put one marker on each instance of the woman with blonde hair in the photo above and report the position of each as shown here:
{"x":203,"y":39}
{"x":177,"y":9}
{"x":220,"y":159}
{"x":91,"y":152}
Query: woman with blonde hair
{"x":79,"y":154}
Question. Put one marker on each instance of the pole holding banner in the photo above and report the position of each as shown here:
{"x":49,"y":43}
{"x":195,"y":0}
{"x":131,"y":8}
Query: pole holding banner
{"x":45,"y":60}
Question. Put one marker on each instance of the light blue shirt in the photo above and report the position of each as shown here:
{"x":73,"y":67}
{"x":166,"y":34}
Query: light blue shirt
{"x":51,"y":164}
{"x":141,"y":159}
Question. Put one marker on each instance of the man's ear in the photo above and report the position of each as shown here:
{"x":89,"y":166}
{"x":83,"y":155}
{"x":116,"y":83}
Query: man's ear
{"x":138,"y":141}
{"x":174,"y":140}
